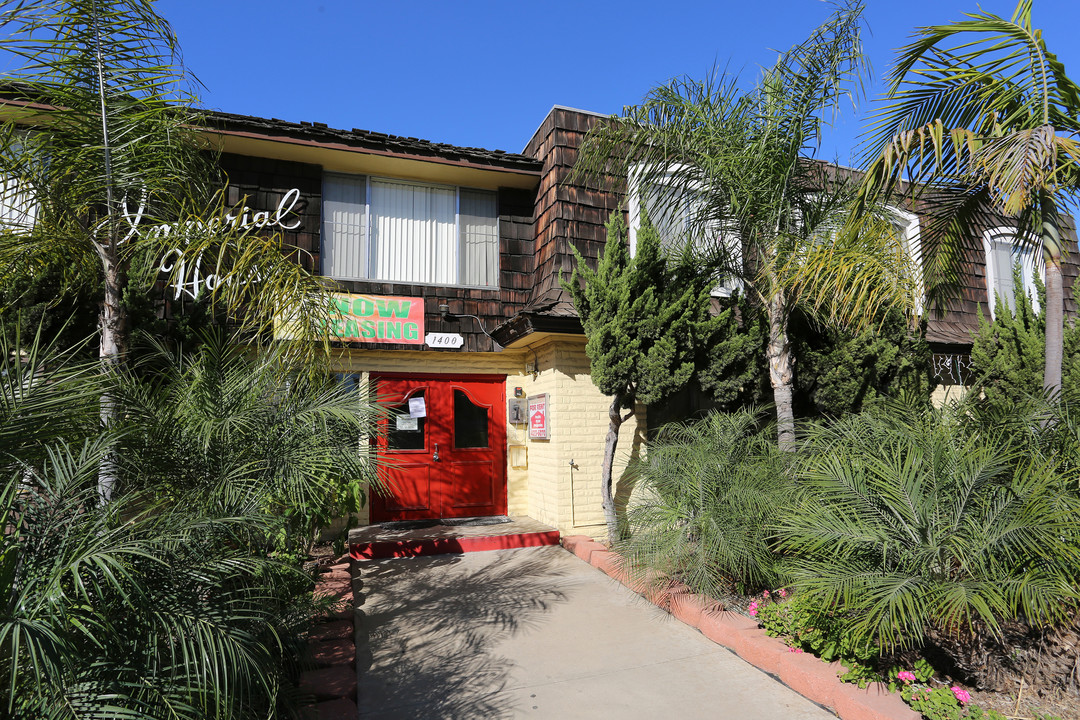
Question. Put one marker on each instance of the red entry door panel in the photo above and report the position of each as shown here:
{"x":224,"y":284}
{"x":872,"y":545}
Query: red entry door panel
{"x":443,"y":448}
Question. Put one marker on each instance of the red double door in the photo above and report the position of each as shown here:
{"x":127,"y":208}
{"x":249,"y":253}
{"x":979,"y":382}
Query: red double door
{"x":443,"y":447}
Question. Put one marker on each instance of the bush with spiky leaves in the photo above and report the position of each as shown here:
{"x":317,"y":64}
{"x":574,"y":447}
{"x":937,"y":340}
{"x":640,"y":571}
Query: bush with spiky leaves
{"x":144,"y":608}
{"x":708,"y":493}
{"x":917,"y":525}
{"x":239,"y":430}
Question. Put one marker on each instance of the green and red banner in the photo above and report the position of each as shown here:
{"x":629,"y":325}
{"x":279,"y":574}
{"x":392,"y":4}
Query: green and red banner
{"x":378,"y":319}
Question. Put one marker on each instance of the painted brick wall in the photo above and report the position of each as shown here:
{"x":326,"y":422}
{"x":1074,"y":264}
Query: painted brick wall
{"x":584,"y":413}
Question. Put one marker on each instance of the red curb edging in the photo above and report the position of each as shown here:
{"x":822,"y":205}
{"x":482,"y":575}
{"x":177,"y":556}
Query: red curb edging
{"x":805,"y":674}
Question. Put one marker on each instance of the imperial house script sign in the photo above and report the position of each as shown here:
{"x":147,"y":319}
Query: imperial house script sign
{"x":190,"y":279}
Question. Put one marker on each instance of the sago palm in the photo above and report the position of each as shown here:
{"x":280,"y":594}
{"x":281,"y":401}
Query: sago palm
{"x":983,"y":121}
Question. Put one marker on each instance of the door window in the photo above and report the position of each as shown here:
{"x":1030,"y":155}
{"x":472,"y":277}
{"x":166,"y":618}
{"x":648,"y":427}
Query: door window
{"x":405,"y":432}
{"x":470,"y":422}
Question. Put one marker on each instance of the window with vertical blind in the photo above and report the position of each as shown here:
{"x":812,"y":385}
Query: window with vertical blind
{"x":1003,"y":252}
{"x":409,"y":232}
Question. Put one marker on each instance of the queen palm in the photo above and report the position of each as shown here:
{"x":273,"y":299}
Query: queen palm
{"x":113,"y":174}
{"x":983,"y":121}
{"x":765,"y":212}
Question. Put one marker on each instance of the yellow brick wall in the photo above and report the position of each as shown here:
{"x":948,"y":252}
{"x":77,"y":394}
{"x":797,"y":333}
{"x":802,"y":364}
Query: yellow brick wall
{"x":549,"y":490}
{"x":583,"y":411}
{"x":948,"y":393}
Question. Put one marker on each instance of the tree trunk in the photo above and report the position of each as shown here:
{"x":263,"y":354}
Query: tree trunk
{"x":781,"y":371}
{"x":615,"y":421}
{"x":1055,"y":322}
{"x":112,"y":328}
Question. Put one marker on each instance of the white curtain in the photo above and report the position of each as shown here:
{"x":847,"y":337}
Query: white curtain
{"x":480,"y":237}
{"x":345,"y":247}
{"x":414,"y":233}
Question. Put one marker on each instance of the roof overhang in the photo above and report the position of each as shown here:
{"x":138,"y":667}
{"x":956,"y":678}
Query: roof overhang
{"x":526,"y":328}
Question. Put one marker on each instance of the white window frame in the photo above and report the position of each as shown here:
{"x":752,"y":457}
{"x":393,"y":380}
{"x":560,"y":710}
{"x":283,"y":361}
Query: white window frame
{"x":724,"y":289}
{"x":459,"y":271}
{"x":1027,"y":269}
{"x":913,"y":244}
{"x":18,"y":207}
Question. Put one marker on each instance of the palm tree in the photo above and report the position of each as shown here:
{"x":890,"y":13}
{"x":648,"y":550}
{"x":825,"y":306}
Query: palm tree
{"x":983,"y":120}
{"x":218,"y":428}
{"x":112,"y":175}
{"x":765,"y":212}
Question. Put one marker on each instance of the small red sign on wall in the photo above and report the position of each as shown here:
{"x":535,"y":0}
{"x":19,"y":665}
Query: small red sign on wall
{"x":539,"y":428}
{"x":378,"y":319}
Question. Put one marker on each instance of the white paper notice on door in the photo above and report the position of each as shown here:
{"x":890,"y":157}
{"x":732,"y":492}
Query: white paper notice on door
{"x":407,"y":423}
{"x":417,"y":409}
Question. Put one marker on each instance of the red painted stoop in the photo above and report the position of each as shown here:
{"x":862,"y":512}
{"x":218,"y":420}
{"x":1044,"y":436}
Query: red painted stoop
{"x":375,"y":542}
{"x":332,"y":643}
{"x":805,"y":674}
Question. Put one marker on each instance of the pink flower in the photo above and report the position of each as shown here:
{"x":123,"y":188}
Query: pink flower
{"x":752,"y":609}
{"x":906,"y":675}
{"x":765,"y":594}
{"x":961,"y":695}
{"x":783,"y":592}
{"x":795,"y":650}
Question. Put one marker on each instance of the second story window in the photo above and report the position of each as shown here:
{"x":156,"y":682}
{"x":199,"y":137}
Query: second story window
{"x":676,"y":214}
{"x":402,"y":231}
{"x":1003,"y":252}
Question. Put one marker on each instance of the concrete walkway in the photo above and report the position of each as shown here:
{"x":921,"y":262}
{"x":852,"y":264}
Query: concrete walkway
{"x":538,"y":633}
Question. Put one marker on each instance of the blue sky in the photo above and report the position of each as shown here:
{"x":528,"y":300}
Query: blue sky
{"x":486,"y":73}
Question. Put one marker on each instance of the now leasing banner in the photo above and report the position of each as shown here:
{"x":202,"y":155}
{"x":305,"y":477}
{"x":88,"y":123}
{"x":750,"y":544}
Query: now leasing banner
{"x":378,"y":319}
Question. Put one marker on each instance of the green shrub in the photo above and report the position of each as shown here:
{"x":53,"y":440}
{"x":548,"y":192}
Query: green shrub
{"x":1008,"y":355}
{"x":909,"y":523}
{"x":806,"y":627}
{"x":237,"y":430}
{"x":706,"y":497}
{"x":839,"y":372}
{"x":141,"y":608}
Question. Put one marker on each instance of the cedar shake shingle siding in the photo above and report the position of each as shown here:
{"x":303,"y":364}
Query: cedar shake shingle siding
{"x":265,"y":181}
{"x":538,"y":228}
{"x":950,"y":328}
{"x":566,"y":215}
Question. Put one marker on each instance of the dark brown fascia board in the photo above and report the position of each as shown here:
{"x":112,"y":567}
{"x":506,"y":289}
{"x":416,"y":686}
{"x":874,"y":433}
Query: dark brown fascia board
{"x":367,"y":142}
{"x":490,"y":161}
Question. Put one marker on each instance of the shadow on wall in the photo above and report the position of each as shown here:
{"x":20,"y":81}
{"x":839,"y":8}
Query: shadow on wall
{"x":624,"y":486}
{"x":427,"y":630}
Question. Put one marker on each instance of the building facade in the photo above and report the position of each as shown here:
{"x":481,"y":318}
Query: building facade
{"x":446,"y":263}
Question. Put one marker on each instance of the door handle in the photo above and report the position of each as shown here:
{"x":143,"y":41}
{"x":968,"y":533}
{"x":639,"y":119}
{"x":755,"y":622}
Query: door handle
{"x":435,"y":456}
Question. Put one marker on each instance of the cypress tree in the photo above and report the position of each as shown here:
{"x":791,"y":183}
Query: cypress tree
{"x":643,"y":317}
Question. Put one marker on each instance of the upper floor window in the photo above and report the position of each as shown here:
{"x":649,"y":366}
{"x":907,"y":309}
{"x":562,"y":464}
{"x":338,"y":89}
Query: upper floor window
{"x":906,"y":225}
{"x":409,"y":232}
{"x":18,"y":208}
{"x":674,"y":213}
{"x":1003,"y":251}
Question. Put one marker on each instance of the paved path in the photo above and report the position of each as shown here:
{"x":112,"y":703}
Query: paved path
{"x":537,"y":633}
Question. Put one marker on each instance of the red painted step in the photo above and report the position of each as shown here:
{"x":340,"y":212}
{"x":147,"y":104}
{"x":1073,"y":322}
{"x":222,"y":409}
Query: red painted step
{"x":450,"y":545}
